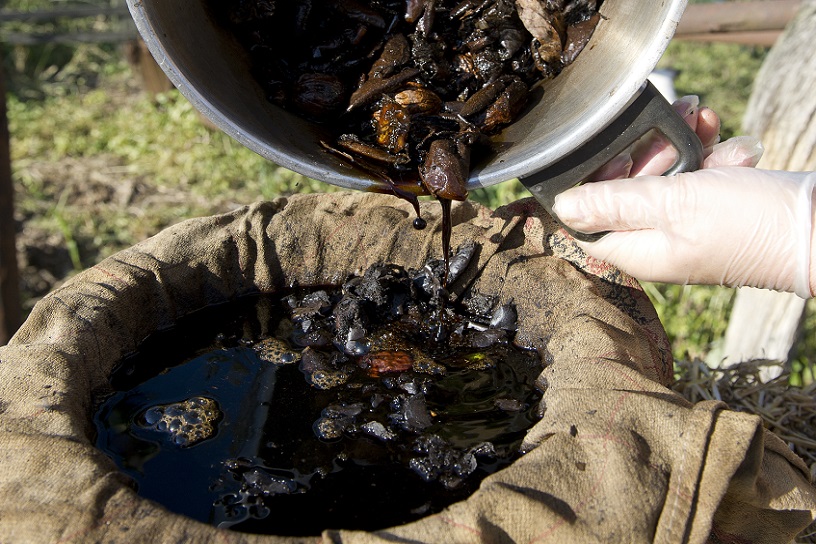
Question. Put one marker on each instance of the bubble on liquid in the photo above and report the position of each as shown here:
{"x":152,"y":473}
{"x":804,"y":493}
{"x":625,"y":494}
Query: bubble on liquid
{"x":257,"y":485}
{"x":328,"y":429}
{"x":425,"y":364}
{"x":319,"y":371}
{"x":335,"y":419}
{"x":152,"y":416}
{"x":288,"y":358}
{"x":276,"y":351}
{"x":185,"y":423}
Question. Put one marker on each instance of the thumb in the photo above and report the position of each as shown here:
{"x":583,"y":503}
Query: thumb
{"x":618,"y":205}
{"x":643,"y":254}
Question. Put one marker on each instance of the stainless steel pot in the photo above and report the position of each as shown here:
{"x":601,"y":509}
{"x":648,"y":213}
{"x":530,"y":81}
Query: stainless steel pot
{"x":592,"y":111}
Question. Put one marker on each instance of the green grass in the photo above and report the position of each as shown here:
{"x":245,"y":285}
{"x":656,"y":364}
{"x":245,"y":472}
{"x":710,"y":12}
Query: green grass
{"x":720,"y":74}
{"x":163,"y":139}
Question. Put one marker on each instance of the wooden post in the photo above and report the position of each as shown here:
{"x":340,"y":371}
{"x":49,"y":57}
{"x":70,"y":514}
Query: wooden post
{"x":735,"y":17}
{"x":9,"y":275}
{"x":141,"y":61}
{"x":752,"y":22}
{"x":781,"y":113}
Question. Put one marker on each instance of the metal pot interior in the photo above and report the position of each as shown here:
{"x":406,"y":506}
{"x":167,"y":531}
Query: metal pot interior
{"x":210,"y":68}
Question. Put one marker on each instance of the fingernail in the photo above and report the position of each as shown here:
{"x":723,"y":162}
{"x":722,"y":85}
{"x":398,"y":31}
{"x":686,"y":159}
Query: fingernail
{"x":687,"y":105}
{"x":757,"y":147}
{"x":746,"y":150}
{"x":756,"y":150}
{"x":570,"y":208}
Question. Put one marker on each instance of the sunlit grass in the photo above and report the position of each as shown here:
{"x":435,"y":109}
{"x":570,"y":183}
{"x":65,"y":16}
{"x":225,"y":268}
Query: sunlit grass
{"x":695,"y":316}
{"x":721,"y":74}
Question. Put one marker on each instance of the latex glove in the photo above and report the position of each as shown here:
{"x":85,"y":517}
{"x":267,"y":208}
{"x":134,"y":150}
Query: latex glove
{"x":729,"y":226}
{"x":653,"y":155}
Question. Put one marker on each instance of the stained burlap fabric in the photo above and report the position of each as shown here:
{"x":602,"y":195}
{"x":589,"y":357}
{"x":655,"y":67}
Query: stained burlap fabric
{"x":617,"y":456}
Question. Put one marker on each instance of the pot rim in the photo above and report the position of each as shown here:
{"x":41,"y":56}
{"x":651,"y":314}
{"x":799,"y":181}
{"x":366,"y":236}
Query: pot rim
{"x":605,"y":107}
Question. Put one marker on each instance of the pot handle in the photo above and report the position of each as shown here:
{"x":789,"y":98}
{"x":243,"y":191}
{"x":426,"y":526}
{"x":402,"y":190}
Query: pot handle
{"x":648,"y":111}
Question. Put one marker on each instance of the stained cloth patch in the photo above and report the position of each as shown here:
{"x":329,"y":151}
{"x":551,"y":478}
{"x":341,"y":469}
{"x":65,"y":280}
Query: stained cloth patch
{"x":616,"y":457}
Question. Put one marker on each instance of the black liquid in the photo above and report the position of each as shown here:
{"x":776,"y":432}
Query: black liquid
{"x":266,"y":471}
{"x":447,"y":230}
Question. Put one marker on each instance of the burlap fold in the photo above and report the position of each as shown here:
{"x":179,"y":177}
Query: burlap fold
{"x":616,"y":457}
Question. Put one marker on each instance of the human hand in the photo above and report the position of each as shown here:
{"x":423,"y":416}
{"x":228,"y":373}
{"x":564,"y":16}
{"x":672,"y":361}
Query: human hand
{"x":723,"y":225}
{"x":653,"y":154}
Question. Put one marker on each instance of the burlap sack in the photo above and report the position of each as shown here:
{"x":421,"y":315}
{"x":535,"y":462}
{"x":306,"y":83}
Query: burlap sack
{"x":617,"y":456}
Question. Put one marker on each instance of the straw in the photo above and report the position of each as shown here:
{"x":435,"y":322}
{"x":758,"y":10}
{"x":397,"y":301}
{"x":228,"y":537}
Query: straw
{"x":788,"y":411}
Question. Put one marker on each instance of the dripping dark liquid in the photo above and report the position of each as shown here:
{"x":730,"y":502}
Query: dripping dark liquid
{"x":447,"y":229}
{"x":402,"y":90}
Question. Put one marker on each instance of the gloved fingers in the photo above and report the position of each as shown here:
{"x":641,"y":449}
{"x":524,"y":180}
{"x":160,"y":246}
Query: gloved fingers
{"x":617,"y":248}
{"x":654,"y":154}
{"x":728,"y":225}
{"x":677,"y":204}
{"x":708,"y":129}
{"x":618,"y":168}
{"x":737,"y":151}
{"x":689,"y":109}
{"x":630,"y":204}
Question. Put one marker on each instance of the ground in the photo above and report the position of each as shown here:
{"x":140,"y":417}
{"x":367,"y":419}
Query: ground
{"x":73,"y":209}
{"x":95,"y":187}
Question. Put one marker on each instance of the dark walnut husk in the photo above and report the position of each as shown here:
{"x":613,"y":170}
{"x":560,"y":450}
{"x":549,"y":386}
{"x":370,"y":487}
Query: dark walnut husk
{"x":390,"y":320}
{"x":382,"y":392}
{"x":409,"y":86}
